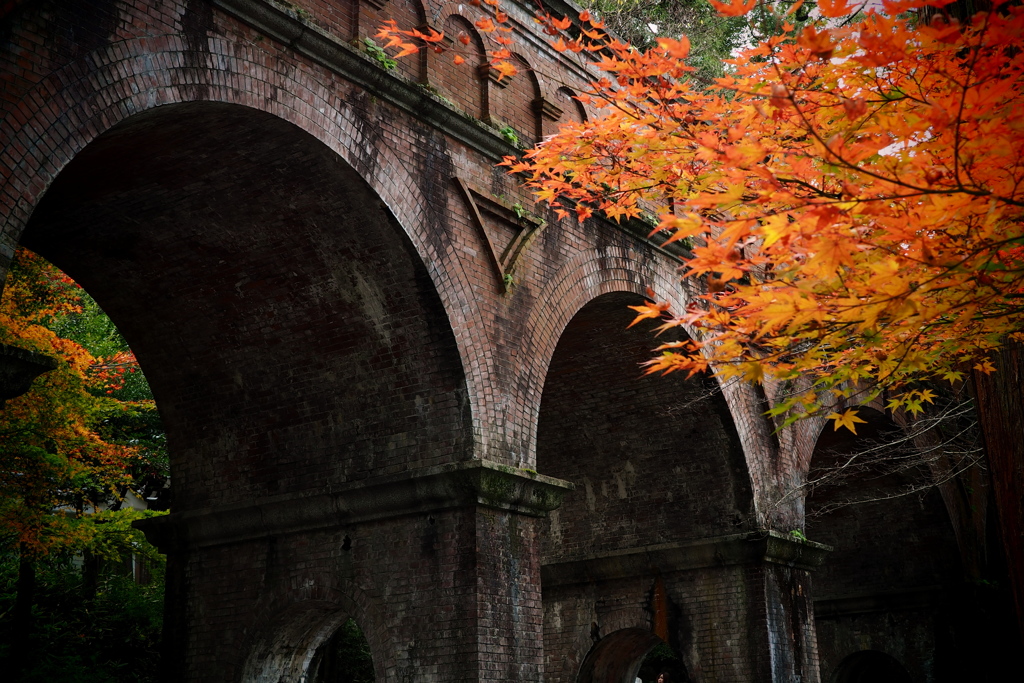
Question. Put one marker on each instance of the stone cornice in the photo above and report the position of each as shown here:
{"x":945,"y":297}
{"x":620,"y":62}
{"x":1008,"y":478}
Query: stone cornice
{"x":917,"y":598}
{"x":737,"y":549}
{"x":430,"y":489}
{"x":282,"y":23}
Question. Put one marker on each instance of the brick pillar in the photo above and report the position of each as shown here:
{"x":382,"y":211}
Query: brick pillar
{"x":438,"y":566}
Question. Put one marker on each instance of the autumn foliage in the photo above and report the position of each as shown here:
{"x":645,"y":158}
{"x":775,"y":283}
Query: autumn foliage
{"x":56,"y":468}
{"x":852,"y":193}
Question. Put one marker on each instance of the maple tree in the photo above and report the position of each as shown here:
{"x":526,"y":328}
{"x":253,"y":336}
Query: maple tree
{"x":56,"y":466}
{"x":852,"y":192}
{"x":70,"y":449}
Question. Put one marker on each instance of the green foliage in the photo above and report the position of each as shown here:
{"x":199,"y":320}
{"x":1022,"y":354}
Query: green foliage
{"x":344,"y":658}
{"x":378,"y":53}
{"x":639,"y":22}
{"x":132,"y":419}
{"x":510,"y":134}
{"x":112,"y":637}
{"x":662,"y":659}
{"x":96,"y":332}
{"x":115,"y":539}
{"x":87,"y":432}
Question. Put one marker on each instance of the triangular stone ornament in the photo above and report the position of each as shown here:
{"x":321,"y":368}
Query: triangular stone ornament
{"x":507,"y":229}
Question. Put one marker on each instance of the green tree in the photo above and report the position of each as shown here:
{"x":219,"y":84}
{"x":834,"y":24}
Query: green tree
{"x":713,"y":38}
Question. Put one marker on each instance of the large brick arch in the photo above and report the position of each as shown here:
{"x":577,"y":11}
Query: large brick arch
{"x":621,"y":267}
{"x":87,"y":96}
{"x":654,"y":459}
{"x":269,"y":296}
{"x":658,"y":468}
{"x":589,"y":274}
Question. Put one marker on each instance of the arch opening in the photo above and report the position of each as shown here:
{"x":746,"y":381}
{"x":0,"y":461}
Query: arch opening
{"x":343,"y":658}
{"x":617,"y":657}
{"x":654,"y":459}
{"x":312,"y":644}
{"x":662,"y":664}
{"x":289,"y":328}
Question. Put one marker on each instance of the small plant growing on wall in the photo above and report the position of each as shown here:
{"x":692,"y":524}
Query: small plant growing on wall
{"x":378,"y":54}
{"x":509,"y":133}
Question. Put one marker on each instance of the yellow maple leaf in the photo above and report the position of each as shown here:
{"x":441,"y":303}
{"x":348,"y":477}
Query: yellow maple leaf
{"x":847,"y":420}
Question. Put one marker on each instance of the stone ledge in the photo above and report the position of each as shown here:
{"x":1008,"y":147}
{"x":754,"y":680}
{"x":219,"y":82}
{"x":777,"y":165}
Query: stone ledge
{"x":721,"y":551}
{"x":430,"y":489}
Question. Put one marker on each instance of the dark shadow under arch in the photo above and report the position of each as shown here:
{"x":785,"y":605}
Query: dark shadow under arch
{"x":889,"y":530}
{"x":891,"y":577}
{"x":344,"y":657}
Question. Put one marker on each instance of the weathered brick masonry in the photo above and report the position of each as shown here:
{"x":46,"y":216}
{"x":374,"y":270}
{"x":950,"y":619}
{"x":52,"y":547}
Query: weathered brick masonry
{"x":380,"y":378}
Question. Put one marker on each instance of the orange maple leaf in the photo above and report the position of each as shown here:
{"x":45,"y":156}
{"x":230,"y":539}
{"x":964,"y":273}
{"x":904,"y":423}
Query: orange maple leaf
{"x":737,"y":9}
{"x":834,"y":8}
{"x":677,"y":49}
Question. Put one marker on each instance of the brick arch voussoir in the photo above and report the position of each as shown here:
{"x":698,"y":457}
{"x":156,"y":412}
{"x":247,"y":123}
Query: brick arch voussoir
{"x":588,"y":275}
{"x":475,"y":37}
{"x":289,"y":628}
{"x":440,"y":12}
{"x":622,"y":618}
{"x":618,"y":655}
{"x":140,"y":74}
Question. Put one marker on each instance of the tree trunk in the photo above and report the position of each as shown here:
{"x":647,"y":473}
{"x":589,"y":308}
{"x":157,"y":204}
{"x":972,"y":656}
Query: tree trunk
{"x":22,"y":614}
{"x":1001,"y":413}
{"x":90,"y":575}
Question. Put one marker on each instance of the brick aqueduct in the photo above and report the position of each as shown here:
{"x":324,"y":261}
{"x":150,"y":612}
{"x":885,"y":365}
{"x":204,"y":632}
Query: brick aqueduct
{"x":393,"y":395}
